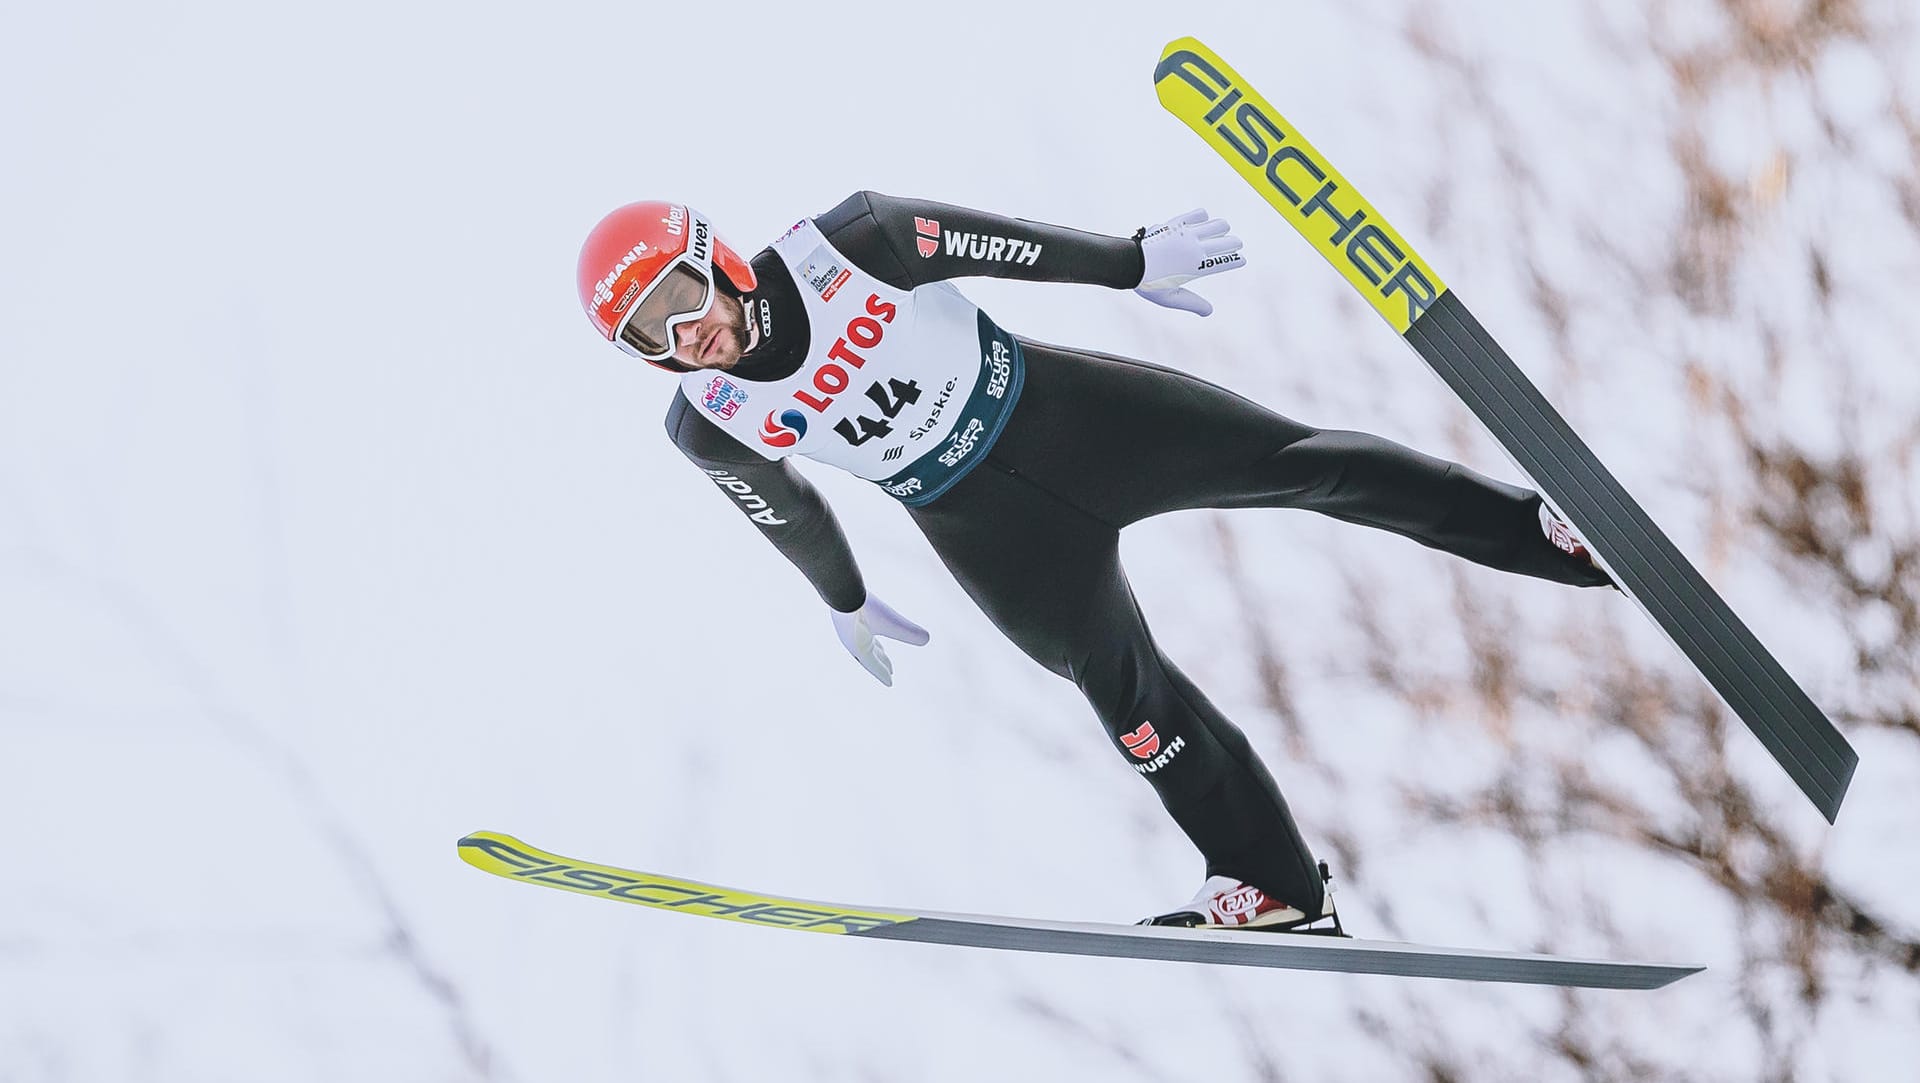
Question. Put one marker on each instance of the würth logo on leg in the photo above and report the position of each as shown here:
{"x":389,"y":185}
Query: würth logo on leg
{"x":1143,"y":742}
{"x":927,"y":236}
{"x":1146,"y":747}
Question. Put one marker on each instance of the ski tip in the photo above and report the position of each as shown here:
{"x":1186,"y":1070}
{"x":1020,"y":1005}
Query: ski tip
{"x":1181,"y":53}
{"x":473,"y":840}
{"x":497,"y":853}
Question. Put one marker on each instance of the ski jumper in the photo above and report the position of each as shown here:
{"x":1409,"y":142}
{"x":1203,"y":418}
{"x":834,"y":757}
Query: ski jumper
{"x":1021,"y":462}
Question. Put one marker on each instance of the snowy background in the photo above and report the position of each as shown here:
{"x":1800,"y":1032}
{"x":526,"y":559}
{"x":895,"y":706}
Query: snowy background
{"x":329,"y":532}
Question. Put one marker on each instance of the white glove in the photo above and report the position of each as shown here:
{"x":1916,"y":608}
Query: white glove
{"x":860,"y":630}
{"x":1180,"y":250}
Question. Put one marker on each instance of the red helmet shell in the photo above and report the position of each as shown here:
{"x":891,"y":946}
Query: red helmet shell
{"x":631,"y":247}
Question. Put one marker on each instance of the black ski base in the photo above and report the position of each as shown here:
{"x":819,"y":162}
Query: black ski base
{"x":1642,"y":560}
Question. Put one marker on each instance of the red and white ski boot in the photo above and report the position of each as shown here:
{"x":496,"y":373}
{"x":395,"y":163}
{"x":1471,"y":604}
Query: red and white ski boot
{"x":1561,"y":535}
{"x":1226,"y":903}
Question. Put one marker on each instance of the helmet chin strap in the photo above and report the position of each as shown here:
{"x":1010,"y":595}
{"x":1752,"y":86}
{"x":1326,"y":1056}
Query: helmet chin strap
{"x":752,"y":328}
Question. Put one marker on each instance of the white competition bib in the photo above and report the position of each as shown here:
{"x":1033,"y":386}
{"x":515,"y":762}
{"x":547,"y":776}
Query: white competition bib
{"x":904,"y":388}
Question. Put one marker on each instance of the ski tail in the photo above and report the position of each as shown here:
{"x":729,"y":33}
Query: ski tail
{"x":1194,"y":84}
{"x":1639,"y":556}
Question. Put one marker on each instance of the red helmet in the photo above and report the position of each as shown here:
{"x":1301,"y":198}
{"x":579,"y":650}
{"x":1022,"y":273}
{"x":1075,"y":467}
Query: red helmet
{"x":648,"y":268}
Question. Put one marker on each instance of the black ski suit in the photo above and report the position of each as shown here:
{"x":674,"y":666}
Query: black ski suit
{"x":1032,"y":532}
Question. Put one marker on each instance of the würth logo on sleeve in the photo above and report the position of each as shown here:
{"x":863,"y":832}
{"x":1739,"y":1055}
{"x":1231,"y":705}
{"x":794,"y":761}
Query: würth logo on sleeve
{"x":928,"y":238}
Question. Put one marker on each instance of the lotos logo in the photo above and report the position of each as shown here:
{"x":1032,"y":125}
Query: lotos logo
{"x":785,"y":432}
{"x":927,"y":236}
{"x":603,"y":292}
{"x":1143,"y":742}
{"x":831,"y":378}
{"x":724,"y":397}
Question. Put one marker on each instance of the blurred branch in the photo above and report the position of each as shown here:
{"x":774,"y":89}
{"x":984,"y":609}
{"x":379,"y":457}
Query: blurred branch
{"x":1832,"y":519}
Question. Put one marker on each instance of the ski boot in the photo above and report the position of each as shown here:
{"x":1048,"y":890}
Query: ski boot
{"x":1561,"y":535}
{"x":1226,"y":903}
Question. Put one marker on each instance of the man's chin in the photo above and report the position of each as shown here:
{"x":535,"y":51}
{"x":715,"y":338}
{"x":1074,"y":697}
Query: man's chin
{"x":729,"y":353}
{"x":723,"y":360}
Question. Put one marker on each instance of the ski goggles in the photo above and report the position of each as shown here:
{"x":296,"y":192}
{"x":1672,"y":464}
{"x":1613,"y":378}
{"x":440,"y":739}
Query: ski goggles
{"x":683,"y":293}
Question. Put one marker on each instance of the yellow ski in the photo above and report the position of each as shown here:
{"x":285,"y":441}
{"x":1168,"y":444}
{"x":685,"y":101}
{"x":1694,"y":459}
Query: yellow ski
{"x":508,"y":857}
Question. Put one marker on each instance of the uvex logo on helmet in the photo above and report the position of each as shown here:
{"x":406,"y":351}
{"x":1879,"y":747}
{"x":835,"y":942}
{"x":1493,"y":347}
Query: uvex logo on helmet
{"x":701,"y":246}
